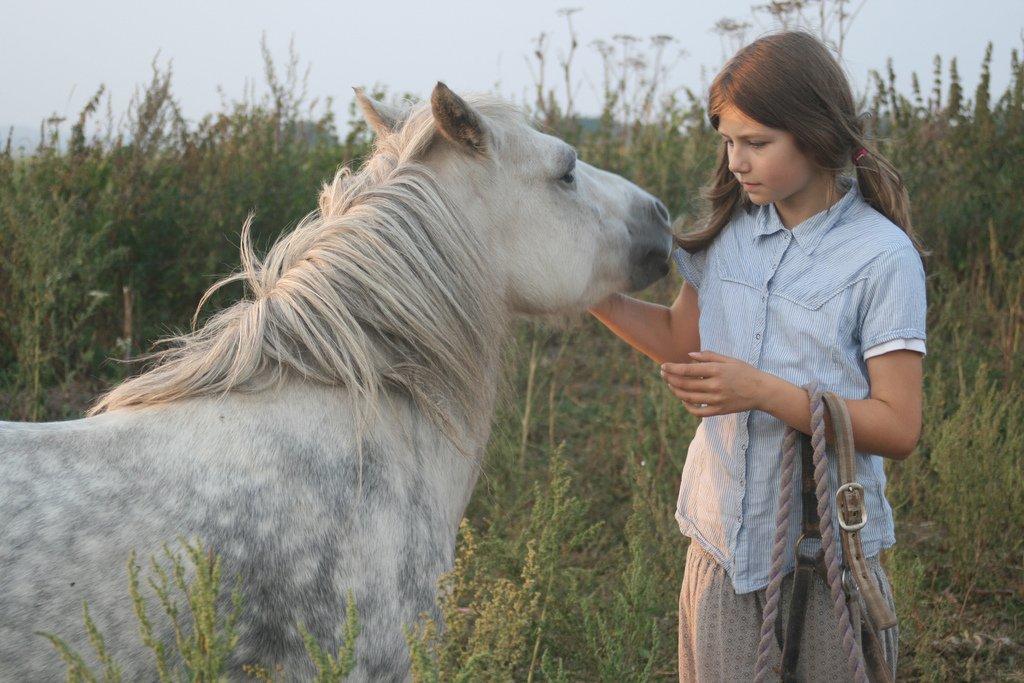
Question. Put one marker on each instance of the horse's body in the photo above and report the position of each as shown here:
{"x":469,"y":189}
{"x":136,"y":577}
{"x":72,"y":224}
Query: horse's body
{"x":268,"y":480}
{"x":311,"y":474}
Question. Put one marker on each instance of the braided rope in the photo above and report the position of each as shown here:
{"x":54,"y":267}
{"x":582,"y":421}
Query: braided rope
{"x":773,"y":593}
{"x":840,"y":609}
{"x":854,"y":656}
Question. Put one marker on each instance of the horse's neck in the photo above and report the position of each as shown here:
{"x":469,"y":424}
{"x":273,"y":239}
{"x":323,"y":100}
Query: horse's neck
{"x":404,"y":439}
{"x":460,"y":469}
{"x":404,"y":446}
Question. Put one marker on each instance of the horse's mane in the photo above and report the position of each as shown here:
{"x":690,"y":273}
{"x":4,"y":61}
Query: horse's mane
{"x":384,"y":286}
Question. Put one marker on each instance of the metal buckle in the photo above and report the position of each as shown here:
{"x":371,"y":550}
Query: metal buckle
{"x":852,"y":486}
{"x":799,"y":554}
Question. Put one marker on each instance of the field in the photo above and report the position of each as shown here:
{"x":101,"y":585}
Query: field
{"x":570,"y":560}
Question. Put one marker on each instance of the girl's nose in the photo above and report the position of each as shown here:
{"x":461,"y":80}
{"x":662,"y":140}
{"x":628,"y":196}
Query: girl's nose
{"x":737,"y":164}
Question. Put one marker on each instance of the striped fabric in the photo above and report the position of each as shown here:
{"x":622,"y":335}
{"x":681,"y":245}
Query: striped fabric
{"x":802,"y":304}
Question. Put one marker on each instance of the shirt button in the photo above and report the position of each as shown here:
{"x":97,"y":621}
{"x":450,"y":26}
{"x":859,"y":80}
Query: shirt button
{"x":757,"y":336}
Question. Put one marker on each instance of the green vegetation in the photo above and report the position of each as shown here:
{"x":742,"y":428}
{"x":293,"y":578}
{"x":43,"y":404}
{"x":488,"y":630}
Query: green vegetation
{"x":569,"y":560}
{"x":204,"y":636}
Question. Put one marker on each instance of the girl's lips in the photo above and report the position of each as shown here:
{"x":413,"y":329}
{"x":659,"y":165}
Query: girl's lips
{"x":748,"y":185}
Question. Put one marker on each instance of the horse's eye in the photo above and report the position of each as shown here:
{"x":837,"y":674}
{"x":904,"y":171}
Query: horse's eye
{"x":569,"y":178}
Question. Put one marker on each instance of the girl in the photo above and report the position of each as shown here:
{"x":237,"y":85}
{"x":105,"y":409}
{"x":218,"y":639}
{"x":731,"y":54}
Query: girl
{"x":797,"y":273}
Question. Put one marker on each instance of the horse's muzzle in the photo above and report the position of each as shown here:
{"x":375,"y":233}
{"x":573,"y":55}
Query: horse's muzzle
{"x":652,"y":245}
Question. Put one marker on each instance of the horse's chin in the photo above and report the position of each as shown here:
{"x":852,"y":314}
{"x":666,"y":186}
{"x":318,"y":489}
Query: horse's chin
{"x":646,"y":274}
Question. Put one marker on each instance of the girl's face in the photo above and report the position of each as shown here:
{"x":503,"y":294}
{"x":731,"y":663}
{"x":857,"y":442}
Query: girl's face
{"x":766,"y":160}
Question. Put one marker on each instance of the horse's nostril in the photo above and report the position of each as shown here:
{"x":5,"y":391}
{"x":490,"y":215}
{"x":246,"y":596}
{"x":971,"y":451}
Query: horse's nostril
{"x":661,"y":210}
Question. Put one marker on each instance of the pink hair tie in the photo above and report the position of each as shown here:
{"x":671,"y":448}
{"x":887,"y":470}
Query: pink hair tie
{"x":859,"y":154}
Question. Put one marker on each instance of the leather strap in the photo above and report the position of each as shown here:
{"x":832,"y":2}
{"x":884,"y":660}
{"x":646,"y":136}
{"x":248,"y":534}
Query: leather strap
{"x":802,"y":579}
{"x":874,"y":656}
{"x":875,"y":664}
{"x":853,"y":516}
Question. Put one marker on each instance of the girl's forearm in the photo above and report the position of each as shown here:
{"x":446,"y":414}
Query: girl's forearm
{"x":645,"y":326}
{"x":877,"y":427}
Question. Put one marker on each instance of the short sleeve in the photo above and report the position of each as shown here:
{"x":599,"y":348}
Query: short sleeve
{"x":691,"y":266}
{"x":896,"y":345}
{"x":894,"y":303}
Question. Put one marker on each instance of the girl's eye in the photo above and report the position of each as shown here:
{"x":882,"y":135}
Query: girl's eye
{"x":755,"y":145}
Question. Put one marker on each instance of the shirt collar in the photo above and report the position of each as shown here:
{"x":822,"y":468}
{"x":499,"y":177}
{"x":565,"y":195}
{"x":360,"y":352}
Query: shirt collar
{"x":808,"y":233}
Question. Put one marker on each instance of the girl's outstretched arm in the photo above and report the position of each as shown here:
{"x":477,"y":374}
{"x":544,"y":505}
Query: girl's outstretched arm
{"x":663,"y":334}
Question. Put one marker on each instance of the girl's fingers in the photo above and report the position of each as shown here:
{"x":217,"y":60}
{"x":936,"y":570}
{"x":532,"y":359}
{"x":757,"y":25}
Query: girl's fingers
{"x":698,"y":411}
{"x":690,"y":369}
{"x":692,"y":383}
{"x":709,"y":356}
{"x":695,"y":397}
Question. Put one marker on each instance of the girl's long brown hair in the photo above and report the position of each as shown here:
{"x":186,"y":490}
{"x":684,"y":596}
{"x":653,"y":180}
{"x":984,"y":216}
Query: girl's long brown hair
{"x":790,"y":81}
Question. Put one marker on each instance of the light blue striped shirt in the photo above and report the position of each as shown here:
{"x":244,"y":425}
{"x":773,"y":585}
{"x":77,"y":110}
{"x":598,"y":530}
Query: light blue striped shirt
{"x":802,"y":304}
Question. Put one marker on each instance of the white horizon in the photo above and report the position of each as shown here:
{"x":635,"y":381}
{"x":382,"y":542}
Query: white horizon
{"x":218,"y":46}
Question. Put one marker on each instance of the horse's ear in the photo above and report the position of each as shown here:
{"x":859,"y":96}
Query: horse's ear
{"x":456,"y":120}
{"x":383,"y":118}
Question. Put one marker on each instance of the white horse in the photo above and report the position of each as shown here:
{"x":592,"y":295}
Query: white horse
{"x":324,"y":433}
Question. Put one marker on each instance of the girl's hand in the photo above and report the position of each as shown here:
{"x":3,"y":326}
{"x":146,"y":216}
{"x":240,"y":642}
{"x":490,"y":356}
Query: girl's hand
{"x":725,"y":385}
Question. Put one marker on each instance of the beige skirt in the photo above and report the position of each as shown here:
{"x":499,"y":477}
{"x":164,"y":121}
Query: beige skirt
{"x":719,"y":630}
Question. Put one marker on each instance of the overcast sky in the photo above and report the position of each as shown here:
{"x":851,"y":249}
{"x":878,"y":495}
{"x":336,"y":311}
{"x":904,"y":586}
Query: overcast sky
{"x":55,"y":54}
